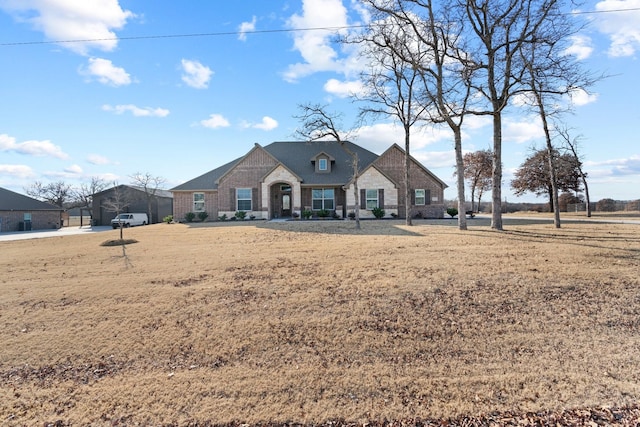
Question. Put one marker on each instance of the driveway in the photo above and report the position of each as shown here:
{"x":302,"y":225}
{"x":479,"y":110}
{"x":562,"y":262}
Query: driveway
{"x":40,"y":234}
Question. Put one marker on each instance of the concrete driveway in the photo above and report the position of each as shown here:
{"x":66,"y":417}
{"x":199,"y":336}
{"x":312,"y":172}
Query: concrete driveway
{"x":40,"y":234}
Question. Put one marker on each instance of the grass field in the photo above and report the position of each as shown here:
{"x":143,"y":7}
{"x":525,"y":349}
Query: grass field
{"x":308,"y":322}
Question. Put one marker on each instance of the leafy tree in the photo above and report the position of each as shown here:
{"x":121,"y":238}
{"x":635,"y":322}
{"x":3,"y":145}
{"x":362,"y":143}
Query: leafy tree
{"x":606,"y":205}
{"x":57,"y":193}
{"x":566,"y":199}
{"x":533,"y":175}
{"x":477,"y":172}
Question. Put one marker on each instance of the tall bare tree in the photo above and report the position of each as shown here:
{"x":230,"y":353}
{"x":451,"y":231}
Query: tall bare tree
{"x":500,"y":31}
{"x":393,"y":83}
{"x":572,"y":144}
{"x":319,"y":124}
{"x":57,"y":193}
{"x":150,"y":184}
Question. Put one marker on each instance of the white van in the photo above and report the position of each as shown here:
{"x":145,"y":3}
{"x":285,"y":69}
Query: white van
{"x":130,"y":220}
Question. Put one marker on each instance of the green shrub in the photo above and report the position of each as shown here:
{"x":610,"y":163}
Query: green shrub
{"x":306,"y":214}
{"x":189,"y":216}
{"x":240,"y":215}
{"x":203,"y":215}
{"x":222,"y":217}
{"x":452,"y":212}
{"x":378,"y":212}
{"x":323,"y":213}
{"x":351,"y":215}
{"x":168,"y":219}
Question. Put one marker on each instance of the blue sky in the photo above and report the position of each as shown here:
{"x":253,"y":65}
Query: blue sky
{"x":177,"y":107}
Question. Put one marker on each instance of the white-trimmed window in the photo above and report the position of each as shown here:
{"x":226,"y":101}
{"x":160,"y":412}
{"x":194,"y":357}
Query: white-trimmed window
{"x":198,"y":202}
{"x":372,"y":199}
{"x":322,"y":164}
{"x":420,"y":197}
{"x":322,"y":198}
{"x":243,"y":199}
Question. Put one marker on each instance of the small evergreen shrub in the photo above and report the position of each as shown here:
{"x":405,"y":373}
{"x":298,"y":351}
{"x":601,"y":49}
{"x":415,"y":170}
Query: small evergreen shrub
{"x":378,"y":212}
{"x":168,"y":219}
{"x":203,"y":215}
{"x":189,"y":216}
{"x":241,"y":215}
{"x":306,"y":214}
{"x":452,"y":212}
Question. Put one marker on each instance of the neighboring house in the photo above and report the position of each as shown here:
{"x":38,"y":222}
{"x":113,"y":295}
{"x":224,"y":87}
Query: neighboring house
{"x":284,"y":178}
{"x":130,"y":198}
{"x":23,"y":213}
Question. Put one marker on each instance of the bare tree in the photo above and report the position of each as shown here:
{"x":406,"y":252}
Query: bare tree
{"x":150,"y":185}
{"x":500,"y":31}
{"x":393,"y":84}
{"x":117,"y":203}
{"x":57,"y":193}
{"x":572,"y":145}
{"x":477,"y":171}
{"x":318,"y":124}
{"x":83,"y":195}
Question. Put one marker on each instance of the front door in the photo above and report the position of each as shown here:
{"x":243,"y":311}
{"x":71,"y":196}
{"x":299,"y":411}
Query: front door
{"x":286,"y":205}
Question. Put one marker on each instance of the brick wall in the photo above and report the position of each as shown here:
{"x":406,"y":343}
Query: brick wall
{"x":183,"y":203}
{"x":40,"y":220}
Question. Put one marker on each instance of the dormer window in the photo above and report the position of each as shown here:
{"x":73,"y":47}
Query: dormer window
{"x":322,"y":162}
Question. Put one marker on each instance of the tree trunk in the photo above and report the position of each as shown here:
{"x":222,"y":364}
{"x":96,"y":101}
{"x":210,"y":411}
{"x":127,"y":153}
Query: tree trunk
{"x":496,"y":173}
{"x":586,"y":194}
{"x":462,"y":216}
{"x":407,"y":186}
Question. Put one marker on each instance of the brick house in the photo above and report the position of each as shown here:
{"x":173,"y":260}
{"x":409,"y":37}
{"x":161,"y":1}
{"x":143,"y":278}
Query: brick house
{"x":23,"y":213}
{"x":284,"y":178}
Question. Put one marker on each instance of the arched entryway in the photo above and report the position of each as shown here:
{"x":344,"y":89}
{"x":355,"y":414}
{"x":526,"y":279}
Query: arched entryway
{"x":281,"y":200}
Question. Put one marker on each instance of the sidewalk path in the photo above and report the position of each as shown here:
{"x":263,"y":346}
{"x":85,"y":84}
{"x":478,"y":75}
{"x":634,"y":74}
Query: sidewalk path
{"x":40,"y":234}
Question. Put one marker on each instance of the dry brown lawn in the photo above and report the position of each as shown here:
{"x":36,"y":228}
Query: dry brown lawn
{"x":308,"y":322}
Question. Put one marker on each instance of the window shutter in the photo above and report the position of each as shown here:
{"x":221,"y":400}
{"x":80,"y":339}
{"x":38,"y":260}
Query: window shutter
{"x":232,"y":199}
{"x":381,"y":198}
{"x":413,"y":198}
{"x":363,"y":198}
{"x":254,"y":199}
{"x":427,"y":197}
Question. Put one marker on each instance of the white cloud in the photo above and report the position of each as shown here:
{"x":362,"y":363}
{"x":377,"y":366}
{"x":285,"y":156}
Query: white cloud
{"x":615,"y":167}
{"x":436,"y":159}
{"x":580,"y":47}
{"x":106,"y":73}
{"x":581,"y":97}
{"x":380,"y":136}
{"x":623,"y":27}
{"x":96,"y":159}
{"x":195,"y":74}
{"x":267,"y":123}
{"x":18,"y":171}
{"x":315,"y":46}
{"x":137,"y":111}
{"x":31,"y":148}
{"x":93,"y":21}
{"x":246,"y":27}
{"x":344,"y":89}
{"x":215,"y":121}
{"x":74,"y":170}
{"x":522,"y":131}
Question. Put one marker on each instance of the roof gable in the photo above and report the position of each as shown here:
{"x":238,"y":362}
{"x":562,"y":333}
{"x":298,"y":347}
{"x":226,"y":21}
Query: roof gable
{"x":10,"y":200}
{"x":415,"y":162}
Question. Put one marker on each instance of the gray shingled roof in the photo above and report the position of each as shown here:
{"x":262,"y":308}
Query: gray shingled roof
{"x":296,"y":156}
{"x":12,"y":201}
{"x":206,"y":181}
